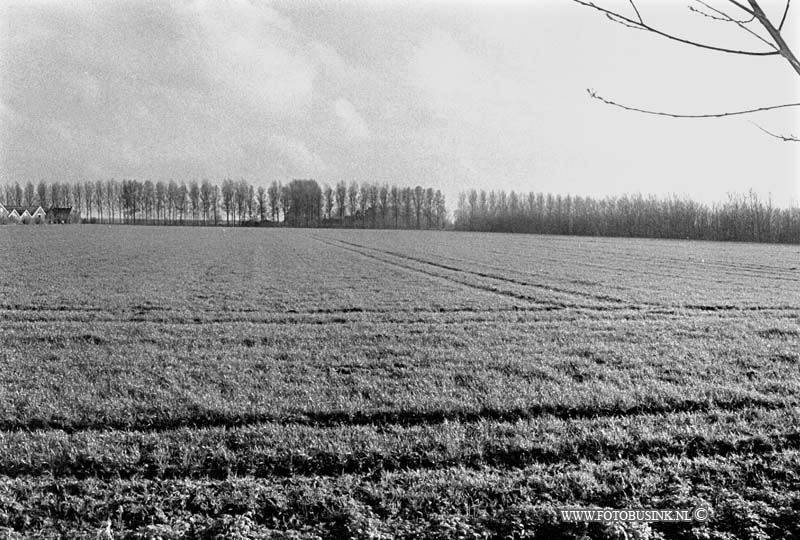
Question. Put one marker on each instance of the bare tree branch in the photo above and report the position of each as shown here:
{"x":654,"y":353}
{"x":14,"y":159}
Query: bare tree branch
{"x":637,"y":11}
{"x":753,"y":9}
{"x":613,"y":18}
{"x":723,"y":19}
{"x":742,"y":7}
{"x":617,"y":17}
{"x":785,"y":12}
{"x":738,"y":23}
{"x":598,"y":97}
{"x":787,"y":138}
{"x":775,"y":34}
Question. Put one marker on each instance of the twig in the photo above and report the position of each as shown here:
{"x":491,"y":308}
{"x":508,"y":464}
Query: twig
{"x":742,"y":7}
{"x":640,"y":25}
{"x":783,"y":48}
{"x":637,"y":11}
{"x":785,"y":12}
{"x":723,"y":19}
{"x":738,"y":23}
{"x":787,"y":138}
{"x":596,"y":96}
{"x":614,"y":18}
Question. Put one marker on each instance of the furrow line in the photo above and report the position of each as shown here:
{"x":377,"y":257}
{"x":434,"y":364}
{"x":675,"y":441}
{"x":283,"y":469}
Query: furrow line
{"x":327,"y":463}
{"x":549,"y":288}
{"x":624,"y":304}
{"x":484,"y":288}
{"x":405,"y":418}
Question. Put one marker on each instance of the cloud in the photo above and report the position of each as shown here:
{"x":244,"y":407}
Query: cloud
{"x":254,"y":56}
{"x":459,"y":85}
{"x":350,"y":120}
{"x":299,"y":160}
{"x":480,"y":118}
{"x":333,"y":65}
{"x":157,"y":90}
{"x":491,"y":96}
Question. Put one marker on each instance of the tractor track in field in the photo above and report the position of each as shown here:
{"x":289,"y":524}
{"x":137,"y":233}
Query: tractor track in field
{"x":364,"y":251}
{"x":742,"y":268}
{"x":327,"y":463}
{"x":616,"y":303}
{"x":303,"y":317}
{"x":200,"y":419}
{"x":554,"y":311}
{"x":692,"y":272}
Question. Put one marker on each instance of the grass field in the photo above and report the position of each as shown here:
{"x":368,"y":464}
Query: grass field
{"x":240,"y":383}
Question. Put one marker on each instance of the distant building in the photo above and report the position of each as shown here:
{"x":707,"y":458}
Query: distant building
{"x":22,"y":214}
{"x":37,"y":214}
{"x":59,"y":215}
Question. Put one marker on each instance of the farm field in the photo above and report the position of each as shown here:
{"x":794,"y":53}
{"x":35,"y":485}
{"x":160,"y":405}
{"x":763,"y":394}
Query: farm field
{"x":185,"y":382}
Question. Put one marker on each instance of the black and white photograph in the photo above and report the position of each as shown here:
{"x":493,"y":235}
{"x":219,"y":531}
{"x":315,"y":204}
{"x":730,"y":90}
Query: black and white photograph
{"x":400,"y":269}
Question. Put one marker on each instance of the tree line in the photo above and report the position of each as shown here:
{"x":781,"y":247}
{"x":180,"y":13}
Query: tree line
{"x":740,"y":218}
{"x":304,"y":203}
{"x":300,"y":203}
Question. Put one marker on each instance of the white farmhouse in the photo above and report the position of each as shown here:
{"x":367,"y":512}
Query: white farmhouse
{"x":22,"y":214}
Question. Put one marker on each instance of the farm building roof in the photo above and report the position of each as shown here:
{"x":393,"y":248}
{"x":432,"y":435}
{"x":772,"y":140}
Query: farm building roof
{"x":21,"y":209}
{"x":59,"y":212}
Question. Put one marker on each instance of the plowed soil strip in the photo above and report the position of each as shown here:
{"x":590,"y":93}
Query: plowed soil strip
{"x":324,"y":463}
{"x":209,"y":419}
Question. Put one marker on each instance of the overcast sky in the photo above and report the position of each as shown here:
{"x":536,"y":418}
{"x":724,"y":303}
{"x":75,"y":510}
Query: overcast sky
{"x":452,"y":95}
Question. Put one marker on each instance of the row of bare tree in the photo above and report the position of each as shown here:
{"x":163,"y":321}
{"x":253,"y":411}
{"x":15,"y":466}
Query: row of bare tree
{"x":300,"y":203}
{"x":741,"y":217}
